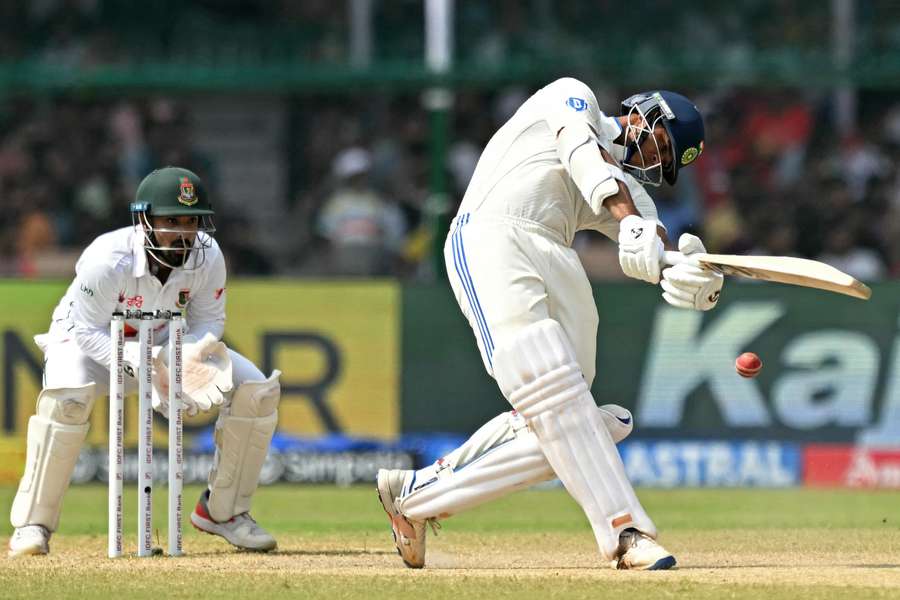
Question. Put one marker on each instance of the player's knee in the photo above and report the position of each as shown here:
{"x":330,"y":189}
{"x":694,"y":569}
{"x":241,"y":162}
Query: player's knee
{"x":537,"y":370}
{"x":252,"y":399}
{"x":617,"y":420}
{"x":69,"y":406}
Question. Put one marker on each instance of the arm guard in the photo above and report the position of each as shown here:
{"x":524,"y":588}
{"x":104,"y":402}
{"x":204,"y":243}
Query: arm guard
{"x":579,"y":153}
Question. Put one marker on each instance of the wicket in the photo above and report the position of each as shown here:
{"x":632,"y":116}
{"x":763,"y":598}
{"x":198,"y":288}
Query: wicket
{"x":145,"y":419}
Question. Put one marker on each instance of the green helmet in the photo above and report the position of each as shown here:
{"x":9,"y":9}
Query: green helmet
{"x":174,"y":192}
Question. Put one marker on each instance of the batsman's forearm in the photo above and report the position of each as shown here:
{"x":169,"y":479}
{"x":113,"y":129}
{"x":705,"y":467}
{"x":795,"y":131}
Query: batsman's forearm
{"x":621,"y":205}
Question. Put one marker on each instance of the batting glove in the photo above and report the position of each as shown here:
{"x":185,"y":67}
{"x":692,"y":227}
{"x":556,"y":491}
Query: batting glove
{"x":690,"y":286}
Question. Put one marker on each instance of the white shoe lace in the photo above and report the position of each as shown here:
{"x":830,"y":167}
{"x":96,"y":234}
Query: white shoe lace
{"x":434,"y":524}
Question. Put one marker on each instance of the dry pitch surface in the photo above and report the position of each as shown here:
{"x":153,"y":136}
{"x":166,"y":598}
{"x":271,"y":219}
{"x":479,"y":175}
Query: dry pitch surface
{"x":335,"y":543}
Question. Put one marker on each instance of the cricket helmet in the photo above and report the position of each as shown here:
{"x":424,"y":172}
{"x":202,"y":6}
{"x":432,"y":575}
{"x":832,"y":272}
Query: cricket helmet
{"x":174,"y":192}
{"x":683,"y":124}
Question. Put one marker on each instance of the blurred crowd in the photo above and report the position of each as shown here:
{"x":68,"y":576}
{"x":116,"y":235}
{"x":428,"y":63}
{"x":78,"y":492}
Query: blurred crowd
{"x":69,"y":168}
{"x":776,"y":176}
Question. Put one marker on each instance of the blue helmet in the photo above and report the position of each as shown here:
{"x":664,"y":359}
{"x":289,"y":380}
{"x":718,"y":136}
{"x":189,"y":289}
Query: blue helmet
{"x":682,"y":122}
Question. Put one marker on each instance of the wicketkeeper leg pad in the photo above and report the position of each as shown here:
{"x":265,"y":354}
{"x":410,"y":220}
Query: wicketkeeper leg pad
{"x":244,"y":431}
{"x":539,"y":375}
{"x":55,"y":435}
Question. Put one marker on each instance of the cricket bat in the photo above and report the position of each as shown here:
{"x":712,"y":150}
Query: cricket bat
{"x":781,"y":269}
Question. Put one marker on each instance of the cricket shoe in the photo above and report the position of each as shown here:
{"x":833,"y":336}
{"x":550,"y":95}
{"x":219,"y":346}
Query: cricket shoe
{"x":240,"y":530}
{"x":31,"y":539}
{"x":640,"y":551}
{"x":409,"y":534}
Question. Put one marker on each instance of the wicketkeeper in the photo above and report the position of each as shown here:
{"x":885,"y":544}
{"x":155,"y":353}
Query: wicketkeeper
{"x":167,"y":260}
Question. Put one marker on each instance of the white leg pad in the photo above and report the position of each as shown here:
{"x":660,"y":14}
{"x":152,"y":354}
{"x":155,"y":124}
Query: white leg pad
{"x":539,"y":375}
{"x":244,"y":431}
{"x":503,"y":456}
{"x":55,"y":436}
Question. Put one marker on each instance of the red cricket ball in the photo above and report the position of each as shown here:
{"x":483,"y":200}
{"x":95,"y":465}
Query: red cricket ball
{"x":748,"y":365}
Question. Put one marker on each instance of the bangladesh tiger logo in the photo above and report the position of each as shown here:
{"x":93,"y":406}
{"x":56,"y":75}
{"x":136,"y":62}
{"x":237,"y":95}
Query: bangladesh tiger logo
{"x":187,"y":195}
{"x":184,"y":296}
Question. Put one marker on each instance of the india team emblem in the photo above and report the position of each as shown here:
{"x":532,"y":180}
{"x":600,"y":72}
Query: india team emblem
{"x":187,"y":196}
{"x":691,"y":154}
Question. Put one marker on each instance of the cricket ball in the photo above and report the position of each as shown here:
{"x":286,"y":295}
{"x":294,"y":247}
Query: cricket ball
{"x":748,"y":364}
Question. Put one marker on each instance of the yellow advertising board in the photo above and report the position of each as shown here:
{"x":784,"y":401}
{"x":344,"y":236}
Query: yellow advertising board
{"x":336,"y":343}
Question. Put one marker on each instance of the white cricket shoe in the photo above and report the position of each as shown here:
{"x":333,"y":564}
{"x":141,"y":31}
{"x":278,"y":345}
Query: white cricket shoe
{"x":31,"y":539}
{"x":240,"y":530}
{"x":409,"y":534}
{"x":640,"y":551}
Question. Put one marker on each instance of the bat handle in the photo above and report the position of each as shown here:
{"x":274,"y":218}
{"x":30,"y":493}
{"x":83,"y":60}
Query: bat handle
{"x":672,"y":257}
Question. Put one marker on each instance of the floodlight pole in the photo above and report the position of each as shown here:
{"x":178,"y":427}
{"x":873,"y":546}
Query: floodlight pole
{"x":438,"y":100}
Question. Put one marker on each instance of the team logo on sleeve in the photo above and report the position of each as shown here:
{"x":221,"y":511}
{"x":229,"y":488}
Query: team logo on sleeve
{"x":186,"y":192}
{"x":218,"y":293}
{"x":579,"y":104}
{"x":184,"y":296}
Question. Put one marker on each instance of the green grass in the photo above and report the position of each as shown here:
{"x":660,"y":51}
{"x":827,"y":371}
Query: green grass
{"x":334,"y":543}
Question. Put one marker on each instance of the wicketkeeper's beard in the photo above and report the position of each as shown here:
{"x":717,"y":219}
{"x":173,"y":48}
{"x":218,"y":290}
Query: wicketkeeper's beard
{"x":177,"y":257}
{"x":174,"y":254}
{"x":179,"y":254}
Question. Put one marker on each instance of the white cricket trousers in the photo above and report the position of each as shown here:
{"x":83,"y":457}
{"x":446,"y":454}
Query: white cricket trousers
{"x":508,"y":272}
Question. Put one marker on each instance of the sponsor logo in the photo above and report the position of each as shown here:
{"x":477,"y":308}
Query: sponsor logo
{"x":705,"y":463}
{"x":637,"y":232}
{"x":341,"y":468}
{"x":714,"y":297}
{"x":218,"y":293}
{"x":87,"y":290}
{"x":822,"y":377}
{"x":624,"y":421}
{"x":851,"y":466}
{"x":579,"y":104}
{"x":187,"y":195}
{"x":184,"y":296}
{"x":134,"y":302}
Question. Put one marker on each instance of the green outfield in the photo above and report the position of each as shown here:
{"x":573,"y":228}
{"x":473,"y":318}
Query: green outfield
{"x":335,"y":543}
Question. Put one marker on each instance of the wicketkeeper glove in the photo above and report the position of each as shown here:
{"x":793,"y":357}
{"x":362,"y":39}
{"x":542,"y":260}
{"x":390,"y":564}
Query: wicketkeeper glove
{"x":206,"y":375}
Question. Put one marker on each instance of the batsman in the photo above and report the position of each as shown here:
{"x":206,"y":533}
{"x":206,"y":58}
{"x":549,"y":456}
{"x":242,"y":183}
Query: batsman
{"x":167,"y":260}
{"x":557,"y":166}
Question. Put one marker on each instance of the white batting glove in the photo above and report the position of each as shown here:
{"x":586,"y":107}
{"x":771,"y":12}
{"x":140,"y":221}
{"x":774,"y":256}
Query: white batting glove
{"x":690,"y":286}
{"x":640,"y":248}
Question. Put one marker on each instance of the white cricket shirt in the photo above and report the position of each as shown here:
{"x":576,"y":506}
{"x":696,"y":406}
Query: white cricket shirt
{"x":113,"y":274}
{"x":519,"y":173}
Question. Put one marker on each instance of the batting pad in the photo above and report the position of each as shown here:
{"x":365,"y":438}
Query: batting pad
{"x":501,"y":457}
{"x":539,"y":375}
{"x":244,"y":431}
{"x":55,"y":435}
